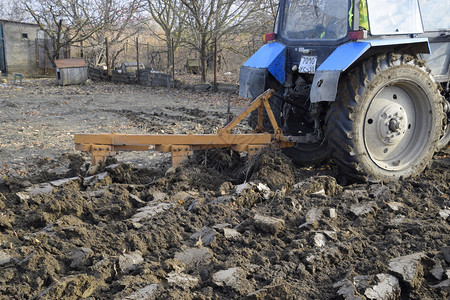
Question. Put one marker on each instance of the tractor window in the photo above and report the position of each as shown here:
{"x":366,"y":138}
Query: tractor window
{"x":435,"y":14}
{"x":394,"y":17}
{"x":315,"y":19}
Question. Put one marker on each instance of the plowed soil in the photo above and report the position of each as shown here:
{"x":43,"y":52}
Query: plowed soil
{"x":217,"y":227}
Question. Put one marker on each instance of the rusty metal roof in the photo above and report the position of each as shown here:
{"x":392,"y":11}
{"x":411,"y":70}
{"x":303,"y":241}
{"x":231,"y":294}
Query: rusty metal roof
{"x":70,"y":63}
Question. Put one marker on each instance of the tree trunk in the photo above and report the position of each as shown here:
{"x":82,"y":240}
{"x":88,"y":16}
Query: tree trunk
{"x":203,"y":62}
{"x":169,"y":51}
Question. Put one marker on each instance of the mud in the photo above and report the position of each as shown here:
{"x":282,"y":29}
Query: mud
{"x":217,"y":227}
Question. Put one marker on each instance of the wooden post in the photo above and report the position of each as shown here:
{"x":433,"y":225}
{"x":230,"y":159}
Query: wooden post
{"x":137,"y":61}
{"x":108,"y":69}
{"x":215,"y":65}
{"x":173,"y":65}
{"x":229,"y":108}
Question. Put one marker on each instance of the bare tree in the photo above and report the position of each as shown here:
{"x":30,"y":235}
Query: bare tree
{"x":65,"y":22}
{"x":13,"y":11}
{"x":208,"y":20}
{"x":121,"y":20}
{"x":259,"y":24}
{"x":169,"y":15}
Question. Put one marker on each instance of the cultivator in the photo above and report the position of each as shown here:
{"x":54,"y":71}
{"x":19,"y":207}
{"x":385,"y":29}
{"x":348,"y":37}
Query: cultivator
{"x":182,"y":145}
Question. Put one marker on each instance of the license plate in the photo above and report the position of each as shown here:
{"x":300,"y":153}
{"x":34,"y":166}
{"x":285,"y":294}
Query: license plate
{"x":308,"y":64}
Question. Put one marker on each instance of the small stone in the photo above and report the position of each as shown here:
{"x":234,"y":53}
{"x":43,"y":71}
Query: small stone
{"x":136,"y":200}
{"x":332,"y":213}
{"x":231,"y":234}
{"x":206,"y":234}
{"x":250,"y":185}
{"x":80,"y":256}
{"x":362,"y":209}
{"x":397,"y":220}
{"x":320,"y":240}
{"x":269,"y":224}
{"x":148,"y":292}
{"x":444,"y":213}
{"x":409,"y":268}
{"x":60,"y":182}
{"x":318,"y":186}
{"x":330,"y":234}
{"x":446,"y":252}
{"x":355,"y":194}
{"x":395,"y":206}
{"x":5,"y":258}
{"x":361,"y":282}
{"x":92,"y":180}
{"x":129,"y":262}
{"x":159,"y":196}
{"x":379,"y":191}
{"x":184,"y":281}
{"x":444,"y":284}
{"x":313,"y":215}
{"x":150,"y":211}
{"x":346,"y":289}
{"x":312,"y":218}
{"x":437,"y":271}
{"x":230,"y":277}
{"x":193,"y":257}
{"x":242,"y":187}
{"x":387,"y":288}
{"x":112,"y":167}
{"x":23,"y":196}
{"x":43,"y":188}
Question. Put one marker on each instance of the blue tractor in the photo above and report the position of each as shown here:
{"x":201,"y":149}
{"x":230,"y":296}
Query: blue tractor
{"x":365,"y":82}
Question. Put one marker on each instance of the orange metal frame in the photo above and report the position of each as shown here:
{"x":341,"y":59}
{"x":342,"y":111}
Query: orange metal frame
{"x":181,"y":145}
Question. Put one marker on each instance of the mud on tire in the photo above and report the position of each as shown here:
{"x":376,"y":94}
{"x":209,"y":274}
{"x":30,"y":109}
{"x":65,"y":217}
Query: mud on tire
{"x":386,"y":121}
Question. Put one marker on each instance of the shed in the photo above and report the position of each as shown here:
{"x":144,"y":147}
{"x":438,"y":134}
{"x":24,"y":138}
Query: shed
{"x":71,"y":71}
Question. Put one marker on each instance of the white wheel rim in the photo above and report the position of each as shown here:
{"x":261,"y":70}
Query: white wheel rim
{"x":397,"y":126}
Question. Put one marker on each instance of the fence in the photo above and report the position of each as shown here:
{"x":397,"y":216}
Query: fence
{"x":231,"y":53}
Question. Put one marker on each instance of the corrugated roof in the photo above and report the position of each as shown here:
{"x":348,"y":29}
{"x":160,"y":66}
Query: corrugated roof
{"x":70,"y":63}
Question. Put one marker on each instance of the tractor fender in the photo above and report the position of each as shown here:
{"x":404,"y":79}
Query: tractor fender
{"x":326,"y":78}
{"x":253,"y":74}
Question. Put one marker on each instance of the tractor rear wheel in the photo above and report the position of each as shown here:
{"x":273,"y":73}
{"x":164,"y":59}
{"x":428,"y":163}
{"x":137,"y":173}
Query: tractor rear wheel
{"x":386,"y":121}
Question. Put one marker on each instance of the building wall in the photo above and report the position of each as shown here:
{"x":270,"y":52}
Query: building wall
{"x":20,"y":47}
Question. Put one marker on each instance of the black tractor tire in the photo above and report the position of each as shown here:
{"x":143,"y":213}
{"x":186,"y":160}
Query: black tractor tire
{"x":386,"y":121}
{"x":301,"y":154}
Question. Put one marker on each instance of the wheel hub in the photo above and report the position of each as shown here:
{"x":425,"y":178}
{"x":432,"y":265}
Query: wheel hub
{"x":392,"y":124}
